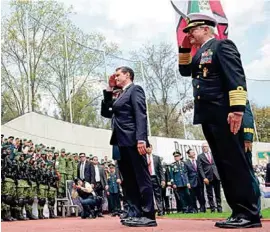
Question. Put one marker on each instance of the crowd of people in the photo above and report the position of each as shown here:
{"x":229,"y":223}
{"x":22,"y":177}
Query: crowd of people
{"x":30,"y":171}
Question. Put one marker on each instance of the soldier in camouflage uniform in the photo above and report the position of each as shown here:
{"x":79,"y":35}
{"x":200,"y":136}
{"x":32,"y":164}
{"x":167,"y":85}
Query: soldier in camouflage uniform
{"x":42,"y":187}
{"x":60,"y":166}
{"x":52,"y":189}
{"x":23,"y":186}
{"x":69,"y":167}
{"x":32,"y":192}
{"x":8,"y":187}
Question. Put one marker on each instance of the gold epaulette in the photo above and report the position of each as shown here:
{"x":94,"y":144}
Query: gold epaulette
{"x":185,"y":58}
{"x":238,"y":97}
{"x":249,"y":130}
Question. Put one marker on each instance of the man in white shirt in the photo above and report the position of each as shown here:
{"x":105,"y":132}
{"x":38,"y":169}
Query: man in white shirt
{"x":101,"y":182}
{"x":157,"y":177}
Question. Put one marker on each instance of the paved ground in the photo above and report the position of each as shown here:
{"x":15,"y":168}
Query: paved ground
{"x":112,"y":224}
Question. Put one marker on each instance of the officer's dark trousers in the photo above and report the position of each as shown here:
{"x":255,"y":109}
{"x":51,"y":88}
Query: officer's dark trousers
{"x":114,"y":202}
{"x":196,"y":193}
{"x":157,"y":193}
{"x":214,"y":185}
{"x":137,"y":181}
{"x":237,"y":178}
{"x":183,"y":199}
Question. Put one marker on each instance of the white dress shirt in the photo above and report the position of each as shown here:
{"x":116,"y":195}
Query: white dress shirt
{"x":152,"y":163}
{"x":97,"y":173}
{"x":82,"y":167}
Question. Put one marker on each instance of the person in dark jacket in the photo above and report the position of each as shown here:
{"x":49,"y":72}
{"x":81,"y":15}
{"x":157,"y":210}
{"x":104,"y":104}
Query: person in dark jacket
{"x":220,"y":94}
{"x":197,"y":189}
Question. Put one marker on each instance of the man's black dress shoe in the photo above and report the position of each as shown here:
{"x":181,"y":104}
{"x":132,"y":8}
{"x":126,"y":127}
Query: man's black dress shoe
{"x":238,"y":223}
{"x":140,"y":222}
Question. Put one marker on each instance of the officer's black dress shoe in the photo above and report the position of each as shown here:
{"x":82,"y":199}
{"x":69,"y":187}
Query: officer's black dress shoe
{"x":232,"y":223}
{"x":140,"y":222}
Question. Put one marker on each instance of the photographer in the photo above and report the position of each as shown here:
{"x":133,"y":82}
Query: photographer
{"x":87,"y":196}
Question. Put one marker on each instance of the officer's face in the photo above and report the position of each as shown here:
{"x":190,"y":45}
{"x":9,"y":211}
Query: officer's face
{"x":177,"y":158}
{"x":121,"y":78}
{"x":112,"y":169}
{"x":196,"y":35}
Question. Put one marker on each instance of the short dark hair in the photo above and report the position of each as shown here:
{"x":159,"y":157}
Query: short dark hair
{"x":188,"y":151}
{"x":125,"y":69}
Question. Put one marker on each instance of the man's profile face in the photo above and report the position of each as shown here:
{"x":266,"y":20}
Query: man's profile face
{"x":121,"y":78}
{"x":196,"y":35}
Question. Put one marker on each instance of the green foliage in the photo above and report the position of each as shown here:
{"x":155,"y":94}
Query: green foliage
{"x":262,"y":120}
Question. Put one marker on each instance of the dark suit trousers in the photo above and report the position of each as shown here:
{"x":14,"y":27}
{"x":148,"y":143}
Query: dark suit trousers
{"x":137,"y":181}
{"x":99,"y":192}
{"x":237,"y":178}
{"x":157,"y":193}
{"x":165,"y":200}
{"x":196,"y":193}
{"x":213,"y":185}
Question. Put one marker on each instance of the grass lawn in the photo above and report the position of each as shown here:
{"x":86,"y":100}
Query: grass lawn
{"x":209,"y":215}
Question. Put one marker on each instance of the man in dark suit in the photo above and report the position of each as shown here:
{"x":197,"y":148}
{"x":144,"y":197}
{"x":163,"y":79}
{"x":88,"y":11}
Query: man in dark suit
{"x":129,"y":133}
{"x":86,"y":170}
{"x":196,"y":190}
{"x":165,"y":198}
{"x":101,"y":182}
{"x":157,"y":177}
{"x":208,"y":171}
{"x":219,"y":89}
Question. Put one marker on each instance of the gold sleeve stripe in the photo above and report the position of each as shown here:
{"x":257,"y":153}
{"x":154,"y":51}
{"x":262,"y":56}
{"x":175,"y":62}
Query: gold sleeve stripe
{"x":185,"y":58}
{"x":238,"y":96}
{"x":249,"y":130}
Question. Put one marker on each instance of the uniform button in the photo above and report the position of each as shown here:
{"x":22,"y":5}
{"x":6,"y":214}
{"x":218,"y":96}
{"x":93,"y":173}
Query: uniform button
{"x":198,"y":76}
{"x":199,"y":97}
{"x":198,"y":86}
{"x":200,"y":66}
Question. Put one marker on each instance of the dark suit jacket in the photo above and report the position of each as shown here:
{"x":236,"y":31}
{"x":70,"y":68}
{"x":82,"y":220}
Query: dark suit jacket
{"x":206,"y":169}
{"x":158,"y":169}
{"x":89,"y":172}
{"x":193,"y":174}
{"x":103,"y":177}
{"x":129,"y":118}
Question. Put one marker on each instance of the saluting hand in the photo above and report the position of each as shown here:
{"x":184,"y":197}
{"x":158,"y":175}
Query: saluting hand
{"x":186,"y":42}
{"x":141,"y":146}
{"x":235,"y":120}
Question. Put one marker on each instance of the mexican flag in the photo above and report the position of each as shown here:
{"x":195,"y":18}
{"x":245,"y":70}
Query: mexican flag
{"x":209,"y":7}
